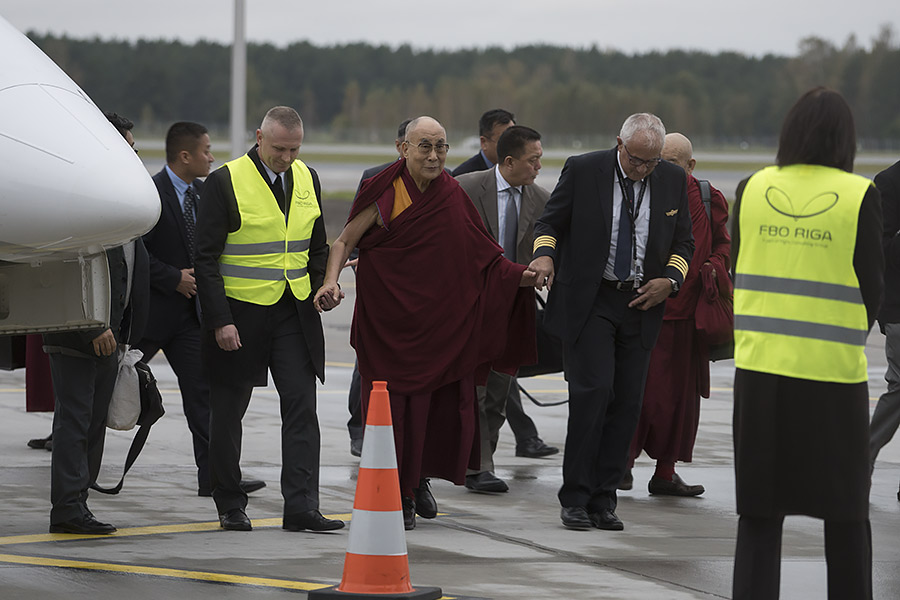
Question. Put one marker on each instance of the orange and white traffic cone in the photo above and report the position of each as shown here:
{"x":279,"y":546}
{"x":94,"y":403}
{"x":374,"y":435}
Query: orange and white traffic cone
{"x":376,"y":564}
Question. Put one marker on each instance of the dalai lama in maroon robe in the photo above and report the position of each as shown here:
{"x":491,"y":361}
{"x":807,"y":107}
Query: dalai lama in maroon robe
{"x":437,"y":306}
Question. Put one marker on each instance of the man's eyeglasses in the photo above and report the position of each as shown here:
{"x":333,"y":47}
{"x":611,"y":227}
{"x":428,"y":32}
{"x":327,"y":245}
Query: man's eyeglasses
{"x":640,"y":162}
{"x":425,"y":148}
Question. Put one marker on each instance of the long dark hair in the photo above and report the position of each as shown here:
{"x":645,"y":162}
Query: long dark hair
{"x":818,"y":130}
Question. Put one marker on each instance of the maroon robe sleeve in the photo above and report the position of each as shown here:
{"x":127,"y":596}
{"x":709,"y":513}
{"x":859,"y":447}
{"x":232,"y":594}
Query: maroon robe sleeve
{"x":436,"y":300}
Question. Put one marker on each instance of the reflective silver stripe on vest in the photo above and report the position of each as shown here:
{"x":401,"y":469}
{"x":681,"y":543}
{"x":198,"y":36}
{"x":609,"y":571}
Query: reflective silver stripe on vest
{"x":804,"y":329}
{"x":798,"y":287}
{"x":265,"y":248}
{"x":259,"y":272}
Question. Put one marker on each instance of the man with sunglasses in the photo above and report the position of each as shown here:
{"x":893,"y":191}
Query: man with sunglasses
{"x":613,"y":243}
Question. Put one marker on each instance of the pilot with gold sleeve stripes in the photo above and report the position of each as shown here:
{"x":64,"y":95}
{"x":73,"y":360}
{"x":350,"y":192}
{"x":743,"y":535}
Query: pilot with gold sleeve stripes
{"x":613,"y":243}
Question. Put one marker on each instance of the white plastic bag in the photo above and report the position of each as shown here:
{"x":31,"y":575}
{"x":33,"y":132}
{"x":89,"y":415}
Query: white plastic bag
{"x":125,"y":406}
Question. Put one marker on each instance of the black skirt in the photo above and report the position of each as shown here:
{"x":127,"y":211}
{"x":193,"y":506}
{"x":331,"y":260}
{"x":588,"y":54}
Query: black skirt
{"x":801,"y":447}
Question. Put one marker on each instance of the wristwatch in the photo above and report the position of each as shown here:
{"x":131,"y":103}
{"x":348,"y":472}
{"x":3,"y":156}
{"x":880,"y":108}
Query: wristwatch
{"x":675,"y":286}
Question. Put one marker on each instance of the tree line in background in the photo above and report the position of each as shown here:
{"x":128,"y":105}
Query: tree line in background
{"x":359,"y":92}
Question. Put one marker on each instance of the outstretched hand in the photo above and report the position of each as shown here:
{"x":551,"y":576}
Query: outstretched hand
{"x":529,"y":278}
{"x":328,"y":297}
{"x":543,"y":267}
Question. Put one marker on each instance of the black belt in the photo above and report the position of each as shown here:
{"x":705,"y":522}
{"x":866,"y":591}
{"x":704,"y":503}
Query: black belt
{"x":622,"y":286}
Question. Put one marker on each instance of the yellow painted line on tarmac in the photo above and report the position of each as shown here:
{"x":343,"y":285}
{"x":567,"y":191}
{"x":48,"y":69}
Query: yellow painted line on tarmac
{"x":151,"y":530}
{"x":338,"y":364}
{"x":286,"y":584}
{"x":162,"y":572}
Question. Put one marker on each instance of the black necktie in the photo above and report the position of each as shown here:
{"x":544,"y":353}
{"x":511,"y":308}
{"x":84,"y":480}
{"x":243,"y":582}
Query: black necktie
{"x":278,"y":190}
{"x":190,"y":226}
{"x":622,"y":268}
{"x":511,"y":225}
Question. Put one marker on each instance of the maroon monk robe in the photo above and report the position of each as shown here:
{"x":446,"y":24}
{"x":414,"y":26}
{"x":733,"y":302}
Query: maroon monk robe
{"x":679,"y":364}
{"x":437,"y":306}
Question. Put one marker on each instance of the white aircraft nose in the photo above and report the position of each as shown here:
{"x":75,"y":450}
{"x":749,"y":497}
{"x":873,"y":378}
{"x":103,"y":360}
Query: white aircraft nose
{"x":69,"y":183}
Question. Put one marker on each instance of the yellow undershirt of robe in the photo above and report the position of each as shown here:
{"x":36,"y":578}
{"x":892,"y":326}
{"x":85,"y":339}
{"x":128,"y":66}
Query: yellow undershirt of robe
{"x":402,"y":200}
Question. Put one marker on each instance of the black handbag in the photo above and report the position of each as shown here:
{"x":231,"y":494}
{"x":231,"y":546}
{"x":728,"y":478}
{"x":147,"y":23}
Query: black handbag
{"x":151,"y":411}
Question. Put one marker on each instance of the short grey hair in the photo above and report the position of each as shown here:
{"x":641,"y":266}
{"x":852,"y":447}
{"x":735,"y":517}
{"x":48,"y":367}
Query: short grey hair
{"x":643,"y":122}
{"x":285,"y":116}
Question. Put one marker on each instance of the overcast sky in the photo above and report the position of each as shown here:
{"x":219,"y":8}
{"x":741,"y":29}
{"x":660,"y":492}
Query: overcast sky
{"x":632,"y":26}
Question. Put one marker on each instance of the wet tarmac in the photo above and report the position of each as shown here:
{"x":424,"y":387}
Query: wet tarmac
{"x":502,"y":546}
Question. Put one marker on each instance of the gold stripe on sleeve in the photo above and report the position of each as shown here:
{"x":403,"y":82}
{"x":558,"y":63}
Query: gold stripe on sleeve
{"x":679,"y":263}
{"x":545,"y":241}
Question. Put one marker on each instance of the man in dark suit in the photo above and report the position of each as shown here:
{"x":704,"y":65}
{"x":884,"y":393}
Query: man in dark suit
{"x":174,"y":324}
{"x":509,"y":203}
{"x":613,"y":243}
{"x":886,"y":417}
{"x":261,"y":248}
{"x":84,"y":365}
{"x":490,"y":126}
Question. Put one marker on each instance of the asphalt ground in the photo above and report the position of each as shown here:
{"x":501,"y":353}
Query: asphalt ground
{"x":501,"y":546}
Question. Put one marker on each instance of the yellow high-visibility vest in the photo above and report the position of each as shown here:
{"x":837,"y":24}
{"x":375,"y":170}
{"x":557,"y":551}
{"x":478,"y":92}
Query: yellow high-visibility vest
{"x":798,"y":311}
{"x":266,"y":253}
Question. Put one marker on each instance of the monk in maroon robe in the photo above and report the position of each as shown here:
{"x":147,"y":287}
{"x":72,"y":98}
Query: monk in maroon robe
{"x":679,"y":364}
{"x":437,"y":307}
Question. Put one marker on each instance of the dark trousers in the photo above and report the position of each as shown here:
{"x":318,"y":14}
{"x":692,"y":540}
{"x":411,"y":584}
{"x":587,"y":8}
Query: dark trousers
{"x":294,"y":377}
{"x":183,"y":353}
{"x":522,"y":426}
{"x":606,"y":368}
{"x":355,"y":425}
{"x":757,"y":559}
{"x":491,"y":415}
{"x":499,"y":401}
{"x":83,"y":389}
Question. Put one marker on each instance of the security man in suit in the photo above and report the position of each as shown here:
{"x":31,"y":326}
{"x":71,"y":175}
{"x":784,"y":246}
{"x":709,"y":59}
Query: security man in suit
{"x":260,"y":250}
{"x":84,"y":365}
{"x":174,"y":324}
{"x":491,"y":126}
{"x":509,"y":203}
{"x":613,"y":243}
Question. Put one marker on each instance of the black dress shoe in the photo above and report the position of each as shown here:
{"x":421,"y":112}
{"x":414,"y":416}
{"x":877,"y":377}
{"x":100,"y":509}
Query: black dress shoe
{"x":86,"y":525}
{"x":235,"y":520}
{"x":41,"y":443}
{"x":606,"y":518}
{"x":311,"y":520}
{"x":575,"y":517}
{"x":356,"y":447}
{"x":627,"y":481}
{"x":426,"y":506}
{"x":248,"y":486}
{"x":409,"y":513}
{"x":676,"y":487}
{"x":535,"y":448}
{"x":486,"y":482}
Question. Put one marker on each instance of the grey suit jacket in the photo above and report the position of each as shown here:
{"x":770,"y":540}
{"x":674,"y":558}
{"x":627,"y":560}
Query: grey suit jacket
{"x":481,"y":187}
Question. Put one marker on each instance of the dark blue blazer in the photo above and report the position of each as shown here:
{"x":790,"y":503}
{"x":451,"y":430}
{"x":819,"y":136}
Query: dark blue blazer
{"x":476,"y":163}
{"x":167,"y":246}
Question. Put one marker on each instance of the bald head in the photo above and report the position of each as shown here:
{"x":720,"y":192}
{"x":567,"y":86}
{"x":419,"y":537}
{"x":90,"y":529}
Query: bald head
{"x":678,"y":150}
{"x":423,"y":122}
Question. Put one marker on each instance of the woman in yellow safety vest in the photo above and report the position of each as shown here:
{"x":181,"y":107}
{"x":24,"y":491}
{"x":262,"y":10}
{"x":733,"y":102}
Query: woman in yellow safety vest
{"x":808,"y":284}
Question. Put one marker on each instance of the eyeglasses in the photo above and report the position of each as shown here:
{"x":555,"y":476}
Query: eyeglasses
{"x":640,"y":162}
{"x":425,"y":148}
